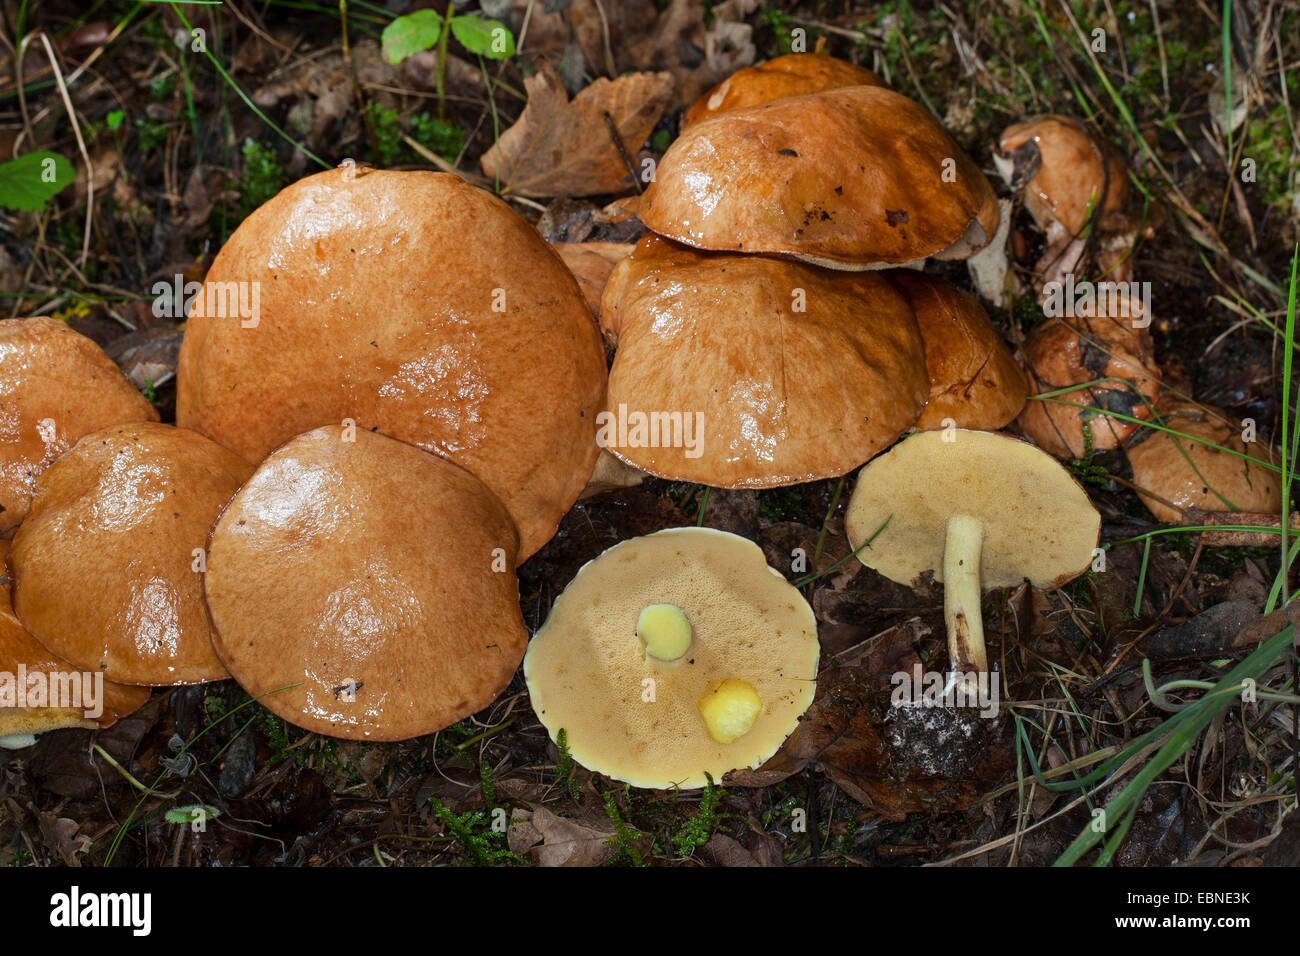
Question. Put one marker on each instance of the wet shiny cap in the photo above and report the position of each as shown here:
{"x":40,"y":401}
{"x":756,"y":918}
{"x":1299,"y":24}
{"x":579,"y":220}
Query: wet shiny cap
{"x":55,"y":386}
{"x":376,"y":579}
{"x":106,"y":573}
{"x":795,"y":74}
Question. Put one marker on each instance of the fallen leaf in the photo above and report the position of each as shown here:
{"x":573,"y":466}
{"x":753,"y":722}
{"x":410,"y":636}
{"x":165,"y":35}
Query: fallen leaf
{"x":61,"y":837}
{"x":560,"y":147}
{"x":566,"y":843}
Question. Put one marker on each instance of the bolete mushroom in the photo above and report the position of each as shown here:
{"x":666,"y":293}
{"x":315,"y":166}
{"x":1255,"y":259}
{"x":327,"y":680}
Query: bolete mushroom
{"x":393,"y":609}
{"x":672,"y":656}
{"x":795,"y":74}
{"x":853,"y":178}
{"x":106,"y":566}
{"x":413,"y":303}
{"x":1173,"y":473}
{"x":39,"y":692}
{"x":977,"y":510}
{"x":753,"y":372}
{"x":975,"y":381}
{"x":55,"y":386}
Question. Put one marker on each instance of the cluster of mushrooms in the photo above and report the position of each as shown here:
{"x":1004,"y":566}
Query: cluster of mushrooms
{"x":357,"y":470}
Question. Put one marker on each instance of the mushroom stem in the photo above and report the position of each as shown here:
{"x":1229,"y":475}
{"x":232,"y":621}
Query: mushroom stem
{"x":961,"y":596}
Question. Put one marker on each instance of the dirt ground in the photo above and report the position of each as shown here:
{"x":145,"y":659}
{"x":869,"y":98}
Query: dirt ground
{"x":178,"y":157}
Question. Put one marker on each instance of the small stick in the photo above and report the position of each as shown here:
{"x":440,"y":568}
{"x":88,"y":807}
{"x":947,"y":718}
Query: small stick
{"x":1239,"y":539}
{"x":622,"y":150}
{"x":81,"y":145}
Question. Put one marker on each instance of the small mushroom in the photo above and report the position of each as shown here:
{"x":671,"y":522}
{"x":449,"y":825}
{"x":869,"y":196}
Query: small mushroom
{"x":1061,"y":353}
{"x":363,"y":588}
{"x":854,"y":178}
{"x":977,"y":510}
{"x":1173,"y":473}
{"x":795,"y":74}
{"x":975,"y":381}
{"x":106,"y":566}
{"x":55,"y":386}
{"x":752,"y":372}
{"x":674,"y":655}
{"x":43,"y":672}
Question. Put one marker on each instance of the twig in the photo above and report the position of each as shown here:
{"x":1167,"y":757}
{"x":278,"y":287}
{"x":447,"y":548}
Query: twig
{"x":81,"y":145}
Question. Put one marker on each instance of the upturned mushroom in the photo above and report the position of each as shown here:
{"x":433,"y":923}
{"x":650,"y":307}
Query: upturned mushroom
{"x":393,"y":609}
{"x":408,"y":302}
{"x":39,"y":692}
{"x":853,"y":178}
{"x":752,"y":372}
{"x":672,"y":656}
{"x":976,"y":510}
{"x":55,"y":386}
{"x":975,"y":381}
{"x":1174,"y":473}
{"x":795,"y":74}
{"x":106,"y":566}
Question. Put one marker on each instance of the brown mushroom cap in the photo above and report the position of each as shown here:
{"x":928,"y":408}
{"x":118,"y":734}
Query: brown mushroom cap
{"x":55,"y":386}
{"x":1038,"y":522}
{"x":376,"y":577}
{"x":781,"y":396}
{"x":1161,"y":468}
{"x":587,"y":671}
{"x":105,"y":574}
{"x":974,"y":379}
{"x":591,"y":263}
{"x":1067,"y":175}
{"x":851,"y":178}
{"x":377,"y":297}
{"x":19,"y":648}
{"x":1065,"y":352}
{"x":795,"y":74}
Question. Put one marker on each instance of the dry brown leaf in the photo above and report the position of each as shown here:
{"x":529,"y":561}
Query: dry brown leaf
{"x":61,"y":836}
{"x":563,"y":148}
{"x":567,"y":843}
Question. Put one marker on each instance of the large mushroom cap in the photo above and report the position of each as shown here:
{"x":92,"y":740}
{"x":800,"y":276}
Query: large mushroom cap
{"x":773,"y":395}
{"x":55,"y":386}
{"x":795,"y":74}
{"x":413,"y":303}
{"x":1212,"y":480}
{"x":974,"y":379}
{"x":376,"y":577}
{"x":1065,"y":352}
{"x":1038,"y":522}
{"x":637,"y":719}
{"x":851,"y":178}
{"x":19,"y":649}
{"x":105,"y":570}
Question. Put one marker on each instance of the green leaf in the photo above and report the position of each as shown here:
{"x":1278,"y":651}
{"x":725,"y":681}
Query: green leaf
{"x":410,"y":34}
{"x":488,"y":38}
{"x":33,"y":179}
{"x":114,"y":120}
{"x":191,"y":814}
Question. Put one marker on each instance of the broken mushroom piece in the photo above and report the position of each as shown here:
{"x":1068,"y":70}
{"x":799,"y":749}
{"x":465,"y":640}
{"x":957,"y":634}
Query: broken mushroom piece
{"x":1061,"y":353}
{"x":795,"y":74}
{"x":413,"y":303}
{"x":749,"y":372}
{"x":975,"y":381}
{"x":55,"y":386}
{"x":1172,"y":473}
{"x":745,"y":670}
{"x":106,"y":567}
{"x":855,"y":178}
{"x":977,"y":510}
{"x":39,"y":692}
{"x":393,"y":607}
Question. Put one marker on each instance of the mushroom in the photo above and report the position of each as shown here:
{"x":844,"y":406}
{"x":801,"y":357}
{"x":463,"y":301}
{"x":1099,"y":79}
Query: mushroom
{"x":591,"y":263}
{"x":975,"y":381}
{"x":795,"y":74}
{"x":672,"y":656}
{"x":92,"y":702}
{"x":1172,"y":474}
{"x":978,"y":511}
{"x":853,"y":178}
{"x":393,"y":607}
{"x":750,"y":372}
{"x":413,"y":303}
{"x":106,"y":566}
{"x":1061,"y":353}
{"x":55,"y":386}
